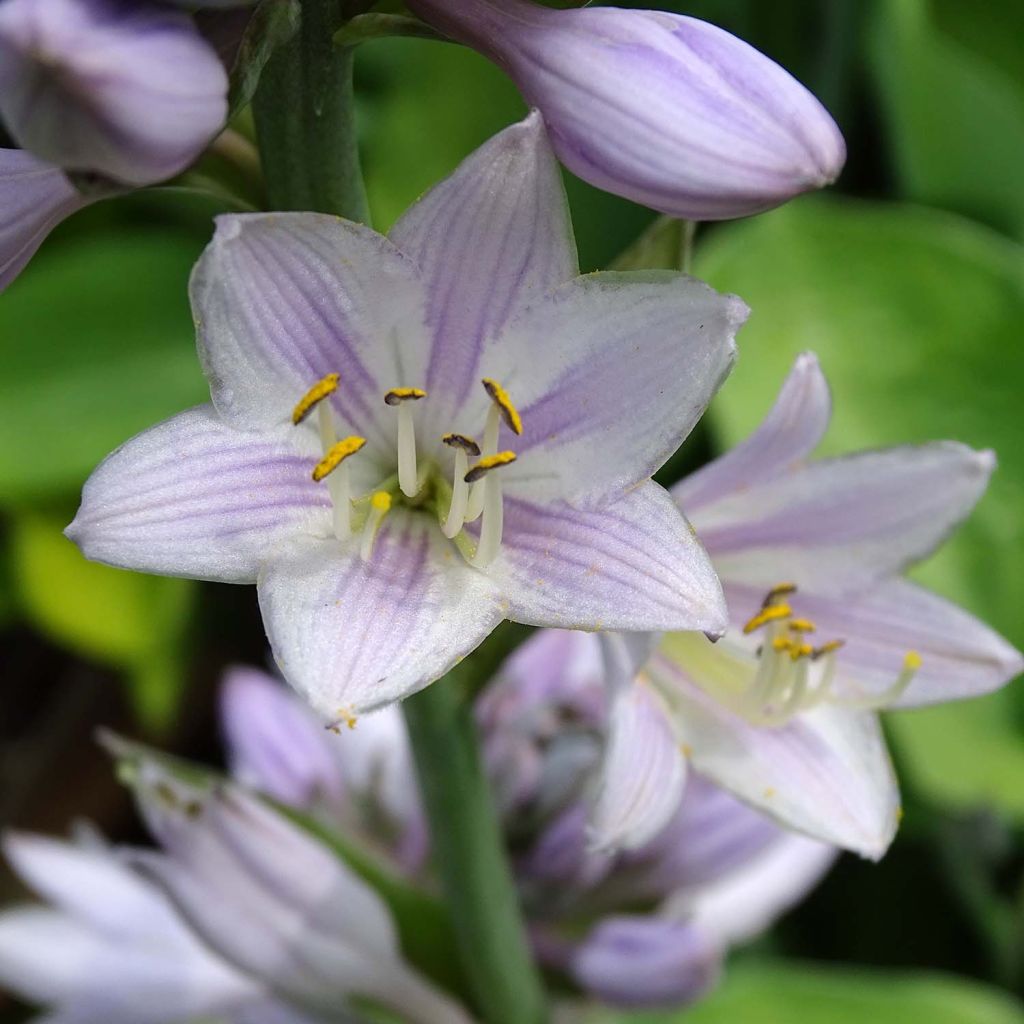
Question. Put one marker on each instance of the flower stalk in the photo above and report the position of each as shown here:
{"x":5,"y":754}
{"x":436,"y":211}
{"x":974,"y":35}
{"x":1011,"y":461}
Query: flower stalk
{"x":306,"y":125}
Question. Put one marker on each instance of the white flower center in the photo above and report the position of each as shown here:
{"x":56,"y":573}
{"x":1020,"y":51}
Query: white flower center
{"x":475,"y":489}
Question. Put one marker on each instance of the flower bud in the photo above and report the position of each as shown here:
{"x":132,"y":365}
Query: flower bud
{"x":127,"y":91}
{"x":669,"y":111}
{"x":646,"y":961}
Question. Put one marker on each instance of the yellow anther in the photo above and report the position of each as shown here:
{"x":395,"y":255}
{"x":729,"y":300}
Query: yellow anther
{"x":827,"y":648}
{"x":317,"y":393}
{"x":911,"y":661}
{"x":463,"y":441}
{"x":396,"y":396}
{"x":798,"y":651}
{"x":489,"y":462}
{"x":802,"y":626}
{"x":782,"y":643}
{"x":770,"y":613}
{"x":380,"y":502}
{"x":779,"y":590}
{"x":509,"y":413}
{"x":336,"y":455}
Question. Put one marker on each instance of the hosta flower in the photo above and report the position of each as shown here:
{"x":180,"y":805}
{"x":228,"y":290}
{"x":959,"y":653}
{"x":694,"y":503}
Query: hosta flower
{"x":668,"y":111}
{"x":649,"y":927}
{"x":412,"y":438}
{"x":241,"y":917}
{"x":823,"y":632}
{"x":101,"y":96}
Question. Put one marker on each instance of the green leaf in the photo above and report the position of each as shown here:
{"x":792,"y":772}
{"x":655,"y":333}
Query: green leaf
{"x":132,"y":622}
{"x":787,"y":993}
{"x":916,"y":317}
{"x":951,"y":80}
{"x":97,"y":345}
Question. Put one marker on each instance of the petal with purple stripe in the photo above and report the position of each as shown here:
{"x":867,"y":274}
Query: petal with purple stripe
{"x":352,"y":635}
{"x":193,"y":497}
{"x":633,"y":564}
{"x":283,"y":299}
{"x":788,"y":434}
{"x":490,"y":239}
{"x":34,"y":198}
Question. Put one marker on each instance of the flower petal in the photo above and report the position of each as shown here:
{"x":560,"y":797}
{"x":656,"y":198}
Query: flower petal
{"x":353,"y":635}
{"x":788,"y":434}
{"x":34,"y":198}
{"x":489,"y":239}
{"x":275,"y":744}
{"x":283,"y":299}
{"x":610,"y":373}
{"x":826,"y":773}
{"x":839,"y":525}
{"x":643,"y":774}
{"x":960,"y":656}
{"x":633,"y":564}
{"x":193,"y":497}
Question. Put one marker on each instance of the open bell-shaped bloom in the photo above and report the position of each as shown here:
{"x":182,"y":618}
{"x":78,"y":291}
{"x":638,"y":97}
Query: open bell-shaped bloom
{"x":412,"y":438}
{"x":823,"y":632}
{"x":669,"y":111}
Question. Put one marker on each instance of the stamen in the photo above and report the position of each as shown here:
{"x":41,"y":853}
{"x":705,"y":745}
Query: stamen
{"x":464,"y":447}
{"x":487,"y":463}
{"x":334,"y":466}
{"x":779,"y":590}
{"x":500,"y":397}
{"x":827,"y":648}
{"x":380,"y":505}
{"x":407,"y":477}
{"x":316,"y":394}
{"x":802,"y":626}
{"x":493,"y":521}
{"x":769,"y":613}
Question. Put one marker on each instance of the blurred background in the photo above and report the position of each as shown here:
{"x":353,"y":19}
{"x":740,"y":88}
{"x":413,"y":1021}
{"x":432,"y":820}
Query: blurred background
{"x":907,"y":279}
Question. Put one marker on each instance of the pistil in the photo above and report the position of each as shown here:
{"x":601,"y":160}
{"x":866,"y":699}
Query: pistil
{"x":464,"y":447}
{"x":407,"y":477}
{"x":380,"y":505}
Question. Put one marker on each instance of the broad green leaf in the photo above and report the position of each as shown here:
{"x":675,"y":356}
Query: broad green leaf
{"x":916,"y":317}
{"x":951,"y":80}
{"x":132,"y":622}
{"x":96,"y":343}
{"x":789,"y":993}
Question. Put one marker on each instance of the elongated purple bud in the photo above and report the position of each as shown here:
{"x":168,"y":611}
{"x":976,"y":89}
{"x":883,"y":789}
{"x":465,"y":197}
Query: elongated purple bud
{"x":127,"y":91}
{"x":646,"y":961}
{"x":668,"y":111}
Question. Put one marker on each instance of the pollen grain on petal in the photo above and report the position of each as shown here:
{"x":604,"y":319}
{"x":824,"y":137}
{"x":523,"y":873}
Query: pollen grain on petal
{"x":316,"y":394}
{"x":489,"y":462}
{"x":500,"y":397}
{"x":396,"y":396}
{"x":463,"y":441}
{"x":336,"y":455}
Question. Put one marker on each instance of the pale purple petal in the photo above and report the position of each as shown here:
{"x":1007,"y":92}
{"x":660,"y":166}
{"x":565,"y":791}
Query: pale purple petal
{"x":353,"y":635}
{"x":960,"y":656}
{"x":646,"y":961}
{"x":34,"y":198}
{"x":562,"y":863}
{"x":787,"y":435}
{"x":643,"y":774}
{"x":283,"y":299}
{"x":610,"y":374}
{"x":633,"y":564}
{"x":490,"y":239}
{"x":275,"y":744}
{"x":826,"y":773}
{"x":128,"y":91}
{"x":839,"y":525}
{"x":668,"y":111}
{"x":193,"y":497}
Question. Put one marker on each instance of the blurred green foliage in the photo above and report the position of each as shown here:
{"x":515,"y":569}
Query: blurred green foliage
{"x":910,"y":286}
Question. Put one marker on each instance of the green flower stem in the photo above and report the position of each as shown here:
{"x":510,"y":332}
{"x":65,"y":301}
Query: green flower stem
{"x":467,"y":841}
{"x":306,"y":121}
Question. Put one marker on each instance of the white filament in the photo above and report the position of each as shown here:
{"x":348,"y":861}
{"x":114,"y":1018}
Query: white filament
{"x":460,"y":496}
{"x":407,"y":451}
{"x":338,"y":485}
{"x":492,"y":523}
{"x":490,"y":447}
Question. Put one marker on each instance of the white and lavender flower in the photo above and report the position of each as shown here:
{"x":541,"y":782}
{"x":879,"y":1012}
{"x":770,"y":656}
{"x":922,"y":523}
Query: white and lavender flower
{"x":101,"y":96}
{"x":669,"y":111}
{"x":823,"y":632}
{"x":412,"y":438}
